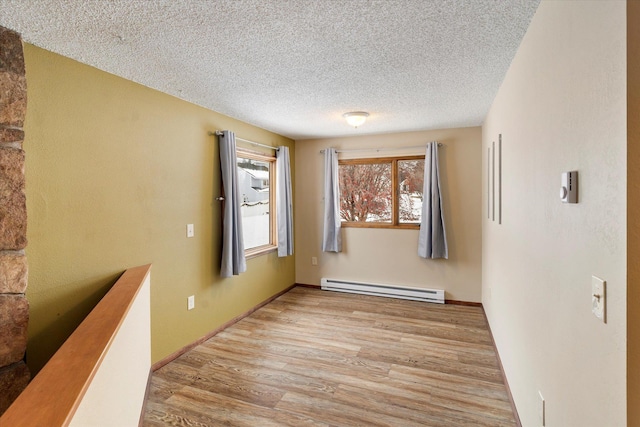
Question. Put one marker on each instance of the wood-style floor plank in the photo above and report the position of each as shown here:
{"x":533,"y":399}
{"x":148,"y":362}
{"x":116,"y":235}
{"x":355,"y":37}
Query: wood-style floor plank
{"x":328,"y":359}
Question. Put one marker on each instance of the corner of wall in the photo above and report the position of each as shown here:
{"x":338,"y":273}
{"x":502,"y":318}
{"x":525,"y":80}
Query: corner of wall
{"x":633,"y":206}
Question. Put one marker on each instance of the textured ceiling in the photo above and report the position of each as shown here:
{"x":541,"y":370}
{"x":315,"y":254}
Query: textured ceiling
{"x":295,"y":66}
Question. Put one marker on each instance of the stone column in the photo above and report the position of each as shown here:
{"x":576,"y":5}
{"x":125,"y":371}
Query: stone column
{"x":14,"y":308}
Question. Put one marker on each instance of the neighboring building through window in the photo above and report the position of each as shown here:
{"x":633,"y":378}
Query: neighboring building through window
{"x":381,"y":192}
{"x":256,"y":174}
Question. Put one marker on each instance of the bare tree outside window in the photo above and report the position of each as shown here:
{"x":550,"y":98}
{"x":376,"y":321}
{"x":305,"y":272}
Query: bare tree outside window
{"x":365,"y":192}
{"x":381,"y":192}
{"x":411,"y":179}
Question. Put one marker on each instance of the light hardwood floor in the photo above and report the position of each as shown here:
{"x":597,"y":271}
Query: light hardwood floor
{"x":318,"y":358}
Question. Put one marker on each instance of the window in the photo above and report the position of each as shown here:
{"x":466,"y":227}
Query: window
{"x":256,"y":180}
{"x":382,"y":192}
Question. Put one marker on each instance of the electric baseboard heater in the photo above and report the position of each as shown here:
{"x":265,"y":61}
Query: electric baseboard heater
{"x":390,"y":291}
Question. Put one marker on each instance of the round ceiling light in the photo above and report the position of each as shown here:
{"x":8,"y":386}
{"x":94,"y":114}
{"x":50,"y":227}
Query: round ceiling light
{"x":356,"y":118}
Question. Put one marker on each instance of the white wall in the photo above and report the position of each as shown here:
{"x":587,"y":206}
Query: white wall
{"x":115,"y":396}
{"x":390,"y":255}
{"x":561,"y":107}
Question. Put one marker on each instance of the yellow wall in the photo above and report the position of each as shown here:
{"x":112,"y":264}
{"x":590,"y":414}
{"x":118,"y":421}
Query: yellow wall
{"x":114,"y":173}
{"x":562,"y":107}
{"x":391,"y":256}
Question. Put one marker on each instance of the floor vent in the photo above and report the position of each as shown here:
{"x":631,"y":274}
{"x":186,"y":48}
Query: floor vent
{"x":417,"y":294}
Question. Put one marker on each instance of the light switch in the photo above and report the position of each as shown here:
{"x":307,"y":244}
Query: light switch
{"x":190,"y":230}
{"x":599,"y":298}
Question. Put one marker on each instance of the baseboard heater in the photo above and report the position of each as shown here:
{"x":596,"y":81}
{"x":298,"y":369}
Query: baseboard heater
{"x":391,"y":291}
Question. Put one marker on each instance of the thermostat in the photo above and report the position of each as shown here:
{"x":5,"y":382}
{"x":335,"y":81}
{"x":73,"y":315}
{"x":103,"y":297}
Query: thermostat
{"x":569,"y":187}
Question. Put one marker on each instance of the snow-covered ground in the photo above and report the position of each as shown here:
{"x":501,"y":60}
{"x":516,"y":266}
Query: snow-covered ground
{"x":255,"y":224}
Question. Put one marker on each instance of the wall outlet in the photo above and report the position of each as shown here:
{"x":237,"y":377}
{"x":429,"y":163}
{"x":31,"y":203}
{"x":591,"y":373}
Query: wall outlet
{"x":541,"y":409}
{"x":191,"y":302}
{"x":190,"y":230}
{"x":314,"y":260}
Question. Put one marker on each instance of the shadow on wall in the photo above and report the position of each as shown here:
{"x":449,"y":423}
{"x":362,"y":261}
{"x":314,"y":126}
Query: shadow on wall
{"x":63,"y":315}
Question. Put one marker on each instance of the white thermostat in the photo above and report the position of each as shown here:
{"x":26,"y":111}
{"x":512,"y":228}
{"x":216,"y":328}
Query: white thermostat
{"x":569,"y":187}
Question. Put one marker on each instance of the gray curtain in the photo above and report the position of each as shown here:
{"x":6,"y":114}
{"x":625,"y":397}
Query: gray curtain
{"x":233,"y":260}
{"x":284,"y":202}
{"x":432,"y":241}
{"x":331,"y":239}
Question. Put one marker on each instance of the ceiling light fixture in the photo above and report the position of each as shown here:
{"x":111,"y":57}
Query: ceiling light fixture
{"x":356,"y":118}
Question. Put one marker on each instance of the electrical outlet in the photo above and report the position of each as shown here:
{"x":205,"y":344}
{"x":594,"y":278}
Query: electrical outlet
{"x":541,"y":409}
{"x":599,"y":298}
{"x":191,"y":302}
{"x":190,"y":230}
{"x":314,"y":260}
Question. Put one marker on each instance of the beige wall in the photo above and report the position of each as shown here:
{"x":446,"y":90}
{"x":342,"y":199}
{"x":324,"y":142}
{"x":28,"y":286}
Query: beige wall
{"x":561,"y":107}
{"x":114,"y":173}
{"x":387,"y":255}
{"x":116,"y":394}
{"x":633,"y":207}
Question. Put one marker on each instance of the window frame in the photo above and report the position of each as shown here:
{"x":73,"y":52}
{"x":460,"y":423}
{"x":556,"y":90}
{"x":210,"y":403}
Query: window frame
{"x":272,"y":246}
{"x":395,"y":193}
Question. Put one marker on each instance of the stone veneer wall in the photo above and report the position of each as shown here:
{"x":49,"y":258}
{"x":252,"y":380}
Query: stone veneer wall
{"x":14,"y":308}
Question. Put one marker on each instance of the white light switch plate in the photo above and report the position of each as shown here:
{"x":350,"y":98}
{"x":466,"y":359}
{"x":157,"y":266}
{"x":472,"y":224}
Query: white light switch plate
{"x":599,"y":298}
{"x":191,"y":302}
{"x":190,"y":230}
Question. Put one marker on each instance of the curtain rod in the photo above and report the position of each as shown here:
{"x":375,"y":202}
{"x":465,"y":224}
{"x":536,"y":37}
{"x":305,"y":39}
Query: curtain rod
{"x":219,"y":133}
{"x":377,"y":150}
